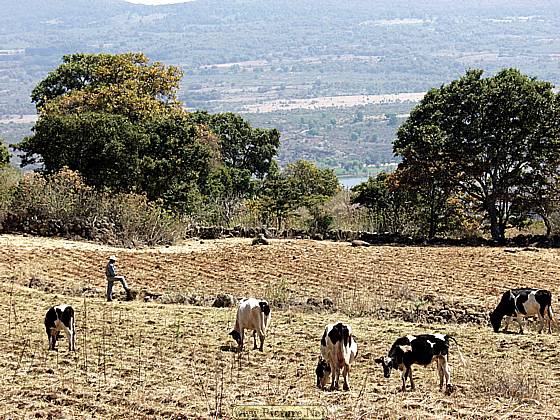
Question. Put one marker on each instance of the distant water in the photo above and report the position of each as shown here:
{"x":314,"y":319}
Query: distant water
{"x":350,"y":181}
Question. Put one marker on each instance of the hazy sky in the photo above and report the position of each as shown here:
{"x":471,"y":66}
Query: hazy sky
{"x":155,"y":2}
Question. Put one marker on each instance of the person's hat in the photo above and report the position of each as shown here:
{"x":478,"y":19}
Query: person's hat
{"x":112,"y":258}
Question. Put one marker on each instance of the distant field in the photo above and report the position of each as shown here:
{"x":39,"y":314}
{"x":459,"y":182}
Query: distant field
{"x":344,"y":101}
{"x":145,"y":359}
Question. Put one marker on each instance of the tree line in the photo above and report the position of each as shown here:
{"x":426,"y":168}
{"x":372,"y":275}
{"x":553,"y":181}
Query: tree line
{"x":477,"y":154}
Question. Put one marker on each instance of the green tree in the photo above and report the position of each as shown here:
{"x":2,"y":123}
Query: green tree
{"x":125,"y":84}
{"x":301,"y":184}
{"x":116,"y":120}
{"x":491,"y":133}
{"x":389,"y":207}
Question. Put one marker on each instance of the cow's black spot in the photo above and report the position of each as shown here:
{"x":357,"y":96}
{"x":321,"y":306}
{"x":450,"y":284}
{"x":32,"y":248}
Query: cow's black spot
{"x":335,"y":334}
{"x":264,"y":307}
{"x":544,"y":299}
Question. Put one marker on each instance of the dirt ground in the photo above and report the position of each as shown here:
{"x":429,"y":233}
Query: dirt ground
{"x":156,"y":360}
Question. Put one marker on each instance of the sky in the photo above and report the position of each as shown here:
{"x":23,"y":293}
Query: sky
{"x":156,"y":2}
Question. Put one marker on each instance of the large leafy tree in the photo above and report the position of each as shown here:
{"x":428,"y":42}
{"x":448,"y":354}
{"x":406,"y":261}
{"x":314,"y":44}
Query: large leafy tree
{"x":486,"y":136}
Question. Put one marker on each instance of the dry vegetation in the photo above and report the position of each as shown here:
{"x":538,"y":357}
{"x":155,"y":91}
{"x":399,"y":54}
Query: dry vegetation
{"x":148,"y":359}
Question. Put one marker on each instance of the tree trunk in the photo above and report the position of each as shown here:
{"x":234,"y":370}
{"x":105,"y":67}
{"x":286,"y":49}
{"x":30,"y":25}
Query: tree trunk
{"x":496,"y":230}
{"x":548,"y":225}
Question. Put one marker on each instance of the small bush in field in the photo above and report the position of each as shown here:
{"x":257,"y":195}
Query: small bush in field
{"x":504,"y":382}
{"x":277,"y":292}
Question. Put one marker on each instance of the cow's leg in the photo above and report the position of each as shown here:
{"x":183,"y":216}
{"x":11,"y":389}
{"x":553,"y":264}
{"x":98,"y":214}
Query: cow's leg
{"x":254,"y":339}
{"x":71,"y":338}
{"x":261,"y":339}
{"x":334,"y":376}
{"x":241,"y":340}
{"x":439,"y":365}
{"x":541,"y":322}
{"x":518,"y":319}
{"x":405,"y":374}
{"x":52,"y":339}
{"x":68,"y":334}
{"x":345,"y":376}
{"x":410,"y":376}
{"x":447,"y":373}
{"x":507,"y":321}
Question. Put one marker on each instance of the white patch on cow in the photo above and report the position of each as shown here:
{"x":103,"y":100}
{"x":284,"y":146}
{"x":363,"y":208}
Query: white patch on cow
{"x":430,"y":343}
{"x":406,"y":348}
{"x":531,"y":307}
{"x":440,"y":336}
{"x":411,"y":338}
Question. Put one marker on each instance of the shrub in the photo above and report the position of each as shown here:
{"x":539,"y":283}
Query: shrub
{"x":62,"y":204}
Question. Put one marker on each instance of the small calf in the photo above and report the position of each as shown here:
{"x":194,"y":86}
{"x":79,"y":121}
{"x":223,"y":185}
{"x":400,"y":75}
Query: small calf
{"x":60,"y":318}
{"x":421,"y":350}
{"x":323,"y":373}
{"x":252,"y":314}
{"x":521,"y":303}
{"x":338,"y":350}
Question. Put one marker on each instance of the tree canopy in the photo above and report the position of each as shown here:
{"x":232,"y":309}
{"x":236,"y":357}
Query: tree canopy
{"x":484,"y":137}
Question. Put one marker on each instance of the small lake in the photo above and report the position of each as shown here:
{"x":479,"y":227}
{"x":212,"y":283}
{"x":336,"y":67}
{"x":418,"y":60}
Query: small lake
{"x":350,"y":181}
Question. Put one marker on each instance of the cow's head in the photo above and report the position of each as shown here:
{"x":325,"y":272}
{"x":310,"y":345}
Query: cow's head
{"x":236,"y":336}
{"x":495,"y":320}
{"x":323,"y":372}
{"x":387,"y":364}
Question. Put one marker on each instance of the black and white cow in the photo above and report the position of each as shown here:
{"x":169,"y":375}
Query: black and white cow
{"x":338,"y":351}
{"x":420,"y":350}
{"x":252,"y":314}
{"x":60,"y":318}
{"x":521,"y":303}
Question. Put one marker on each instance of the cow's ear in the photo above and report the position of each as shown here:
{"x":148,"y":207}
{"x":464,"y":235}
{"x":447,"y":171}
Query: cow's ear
{"x":378,"y":360}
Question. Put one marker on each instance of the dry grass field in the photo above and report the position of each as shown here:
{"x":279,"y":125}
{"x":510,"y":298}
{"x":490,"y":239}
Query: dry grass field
{"x":169,"y":360}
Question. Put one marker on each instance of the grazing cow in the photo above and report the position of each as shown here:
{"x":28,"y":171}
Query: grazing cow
{"x":421,"y":350}
{"x":60,"y":318}
{"x":252,"y":314}
{"x":338,"y":349}
{"x":520,"y":303}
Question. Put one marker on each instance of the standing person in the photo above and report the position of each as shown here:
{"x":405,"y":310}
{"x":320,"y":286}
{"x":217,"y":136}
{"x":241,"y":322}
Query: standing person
{"x":111,"y":273}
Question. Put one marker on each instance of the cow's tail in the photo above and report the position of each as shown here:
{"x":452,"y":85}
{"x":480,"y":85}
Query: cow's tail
{"x":346,"y":344}
{"x":463,"y":361}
